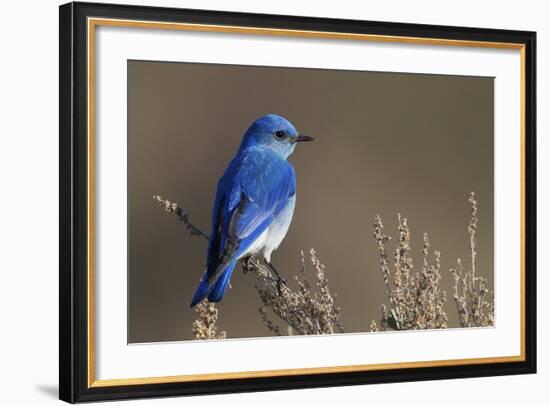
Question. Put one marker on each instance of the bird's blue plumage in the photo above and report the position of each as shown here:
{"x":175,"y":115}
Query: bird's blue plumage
{"x":255,"y":189}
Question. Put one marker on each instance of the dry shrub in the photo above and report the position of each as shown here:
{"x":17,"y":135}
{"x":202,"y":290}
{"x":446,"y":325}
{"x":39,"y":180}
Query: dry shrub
{"x":474,"y":303}
{"x":204,"y":328}
{"x":416,"y":300}
{"x":309,"y":309}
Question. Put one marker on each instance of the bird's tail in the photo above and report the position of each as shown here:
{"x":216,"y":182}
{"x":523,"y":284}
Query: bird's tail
{"x":215,"y":291}
{"x":219,"y":288}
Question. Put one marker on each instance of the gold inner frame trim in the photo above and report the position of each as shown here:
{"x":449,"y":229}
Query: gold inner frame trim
{"x":94,"y":22}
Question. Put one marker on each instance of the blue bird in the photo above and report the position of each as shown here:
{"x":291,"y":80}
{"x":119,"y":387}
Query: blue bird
{"x":254,"y":202}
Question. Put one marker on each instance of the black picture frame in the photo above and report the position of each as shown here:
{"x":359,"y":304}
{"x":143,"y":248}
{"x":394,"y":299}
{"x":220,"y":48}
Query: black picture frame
{"x":74,"y":385}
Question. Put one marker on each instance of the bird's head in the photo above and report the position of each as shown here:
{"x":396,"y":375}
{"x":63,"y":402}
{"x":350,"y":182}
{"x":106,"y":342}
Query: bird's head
{"x":273,"y":132}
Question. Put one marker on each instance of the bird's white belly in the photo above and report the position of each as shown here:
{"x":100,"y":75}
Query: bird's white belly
{"x":271,"y":238}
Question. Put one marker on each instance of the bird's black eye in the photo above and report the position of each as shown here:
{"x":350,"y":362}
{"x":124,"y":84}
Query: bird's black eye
{"x":280,"y":135}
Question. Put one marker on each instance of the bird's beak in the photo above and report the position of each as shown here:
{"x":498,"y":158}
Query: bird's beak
{"x":304,"y":138}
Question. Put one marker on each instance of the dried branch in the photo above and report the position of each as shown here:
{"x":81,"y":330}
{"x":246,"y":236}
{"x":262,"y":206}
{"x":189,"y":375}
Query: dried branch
{"x":306,"y":310}
{"x":474,"y":302}
{"x":416,"y":300}
{"x":204,"y":328}
{"x":172,"y":207}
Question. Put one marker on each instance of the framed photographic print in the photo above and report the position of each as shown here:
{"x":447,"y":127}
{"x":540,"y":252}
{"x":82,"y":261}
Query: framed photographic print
{"x":256,"y":202}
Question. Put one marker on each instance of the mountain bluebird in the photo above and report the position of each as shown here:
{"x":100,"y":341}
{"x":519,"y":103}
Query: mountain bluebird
{"x":254,"y":202}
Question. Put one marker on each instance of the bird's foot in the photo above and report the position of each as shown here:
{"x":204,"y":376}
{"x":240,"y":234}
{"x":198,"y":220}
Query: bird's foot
{"x":280,"y":280}
{"x":280,"y":283}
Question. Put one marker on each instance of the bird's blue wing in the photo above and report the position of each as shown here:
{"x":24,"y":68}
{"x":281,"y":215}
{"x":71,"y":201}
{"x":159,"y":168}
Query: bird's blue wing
{"x":227,"y":199}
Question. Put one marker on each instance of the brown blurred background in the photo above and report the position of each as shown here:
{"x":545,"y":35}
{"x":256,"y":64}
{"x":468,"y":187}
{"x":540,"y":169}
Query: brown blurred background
{"x":385,"y":143}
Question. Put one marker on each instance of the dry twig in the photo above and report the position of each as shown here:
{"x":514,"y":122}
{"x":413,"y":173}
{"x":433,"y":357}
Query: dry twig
{"x":416,"y":300}
{"x":306,"y":310}
{"x":172,"y":207}
{"x":204,"y":328}
{"x":474,"y":302}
